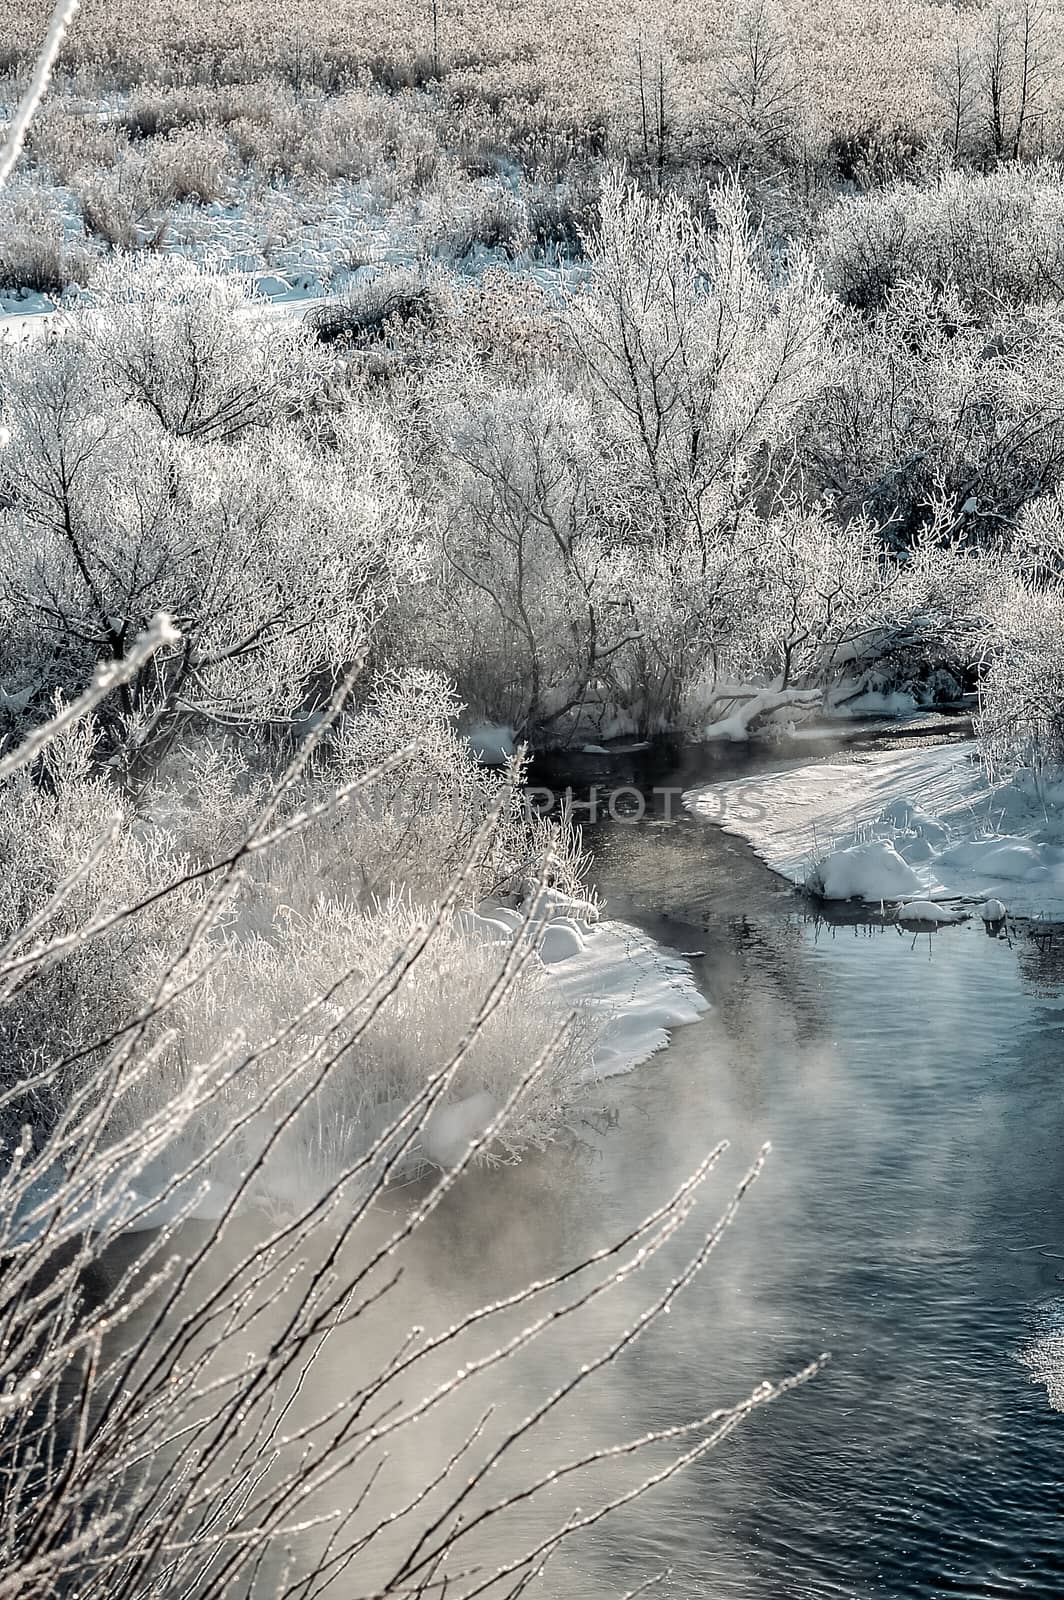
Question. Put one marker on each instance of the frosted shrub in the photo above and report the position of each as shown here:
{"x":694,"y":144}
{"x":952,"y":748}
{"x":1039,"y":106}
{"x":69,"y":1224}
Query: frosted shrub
{"x":415,"y":827}
{"x":1037,"y":549}
{"x":510,"y":324}
{"x":994,"y":238}
{"x":1021,"y":693}
{"x":361,"y":130}
{"x":123,"y":206}
{"x":932,"y":420}
{"x":399,"y":1048}
{"x":157,"y":109}
{"x":460,"y":216}
{"x":69,"y":139}
{"x":35,"y":253}
{"x":392,"y":305}
{"x":275,"y":556}
{"x":699,"y":353}
{"x":801,"y":606}
{"x":70,"y":818}
{"x":684,"y":603}
{"x":190,"y":344}
{"x":190,"y":165}
{"x":816,"y":597}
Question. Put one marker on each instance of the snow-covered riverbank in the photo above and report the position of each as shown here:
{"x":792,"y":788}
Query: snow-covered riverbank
{"x":904,"y":827}
{"x":634,"y":989}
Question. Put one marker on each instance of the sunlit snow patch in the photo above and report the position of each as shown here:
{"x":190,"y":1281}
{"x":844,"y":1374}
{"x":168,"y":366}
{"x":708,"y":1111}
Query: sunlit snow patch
{"x":914,"y":825}
{"x":639,"y":988}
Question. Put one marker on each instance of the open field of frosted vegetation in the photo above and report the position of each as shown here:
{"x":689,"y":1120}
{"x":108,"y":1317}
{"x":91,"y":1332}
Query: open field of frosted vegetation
{"x":379,"y":388}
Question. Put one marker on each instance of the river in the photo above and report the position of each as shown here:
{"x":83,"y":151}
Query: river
{"x":911,"y":1221}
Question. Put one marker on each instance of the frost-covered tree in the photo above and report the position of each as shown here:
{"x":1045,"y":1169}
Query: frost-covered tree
{"x":413,"y":827}
{"x":759,"y":84}
{"x":196,"y":350}
{"x":1015,"y":71}
{"x":275,"y":553}
{"x":527,"y":613}
{"x":698,"y":349}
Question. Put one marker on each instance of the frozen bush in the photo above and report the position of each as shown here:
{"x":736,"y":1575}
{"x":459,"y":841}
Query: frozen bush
{"x":699,"y":351}
{"x":684,"y":604}
{"x":561,"y":214}
{"x":1021,"y":693}
{"x":189,"y":165}
{"x":276,"y":556}
{"x":70,"y":138}
{"x":522,"y":608}
{"x":35,"y":253}
{"x":130,"y":205}
{"x":156,"y":110}
{"x":391,"y":303}
{"x":191,"y":345}
{"x":67,"y":1008}
{"x":994,"y":238}
{"x":935,"y":420}
{"x":510,"y":324}
{"x":460,"y":217}
{"x":876,"y":155}
{"x":123,"y":206}
{"x":414,"y":828}
{"x":361,"y":131}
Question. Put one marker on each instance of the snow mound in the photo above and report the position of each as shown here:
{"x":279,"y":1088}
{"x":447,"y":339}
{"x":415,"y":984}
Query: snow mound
{"x":642,"y":989}
{"x":639,"y":989}
{"x":928,"y":911}
{"x":873,"y":871}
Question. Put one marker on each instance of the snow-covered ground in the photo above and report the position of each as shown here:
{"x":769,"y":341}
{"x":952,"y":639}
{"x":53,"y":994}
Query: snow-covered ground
{"x":909,"y":828}
{"x":297,"y":244}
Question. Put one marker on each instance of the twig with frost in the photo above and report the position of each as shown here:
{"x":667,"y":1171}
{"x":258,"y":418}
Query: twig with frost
{"x":108,"y":676}
{"x":143,"y":1432}
{"x":18,"y":127}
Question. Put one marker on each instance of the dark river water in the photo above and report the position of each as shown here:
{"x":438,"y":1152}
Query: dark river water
{"x":911,"y":1222}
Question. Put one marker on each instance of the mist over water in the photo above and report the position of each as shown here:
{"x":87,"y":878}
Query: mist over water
{"x":910,"y":1221}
